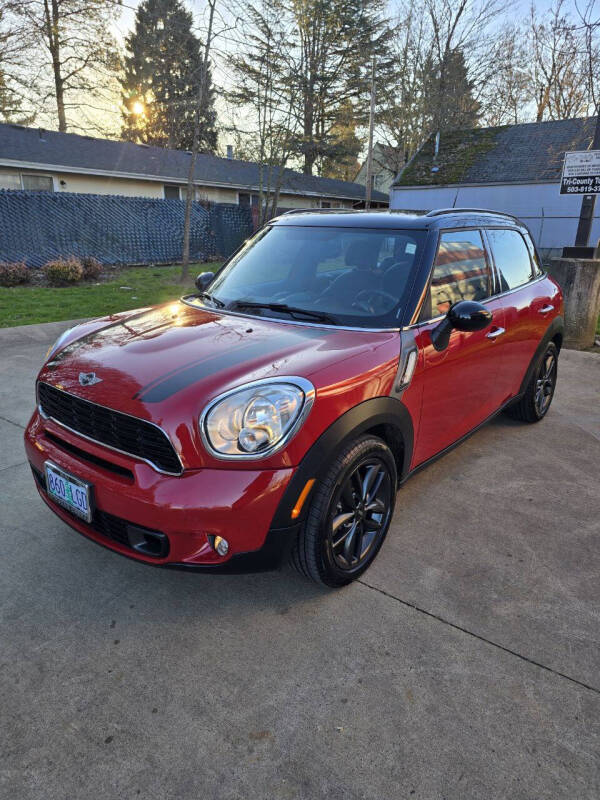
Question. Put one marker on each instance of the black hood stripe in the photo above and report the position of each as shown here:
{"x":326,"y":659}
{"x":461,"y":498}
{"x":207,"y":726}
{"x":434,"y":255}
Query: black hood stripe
{"x":204,"y":369}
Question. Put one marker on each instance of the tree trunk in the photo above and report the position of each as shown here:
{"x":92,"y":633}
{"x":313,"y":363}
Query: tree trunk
{"x":51,"y":18}
{"x":185,"y":258}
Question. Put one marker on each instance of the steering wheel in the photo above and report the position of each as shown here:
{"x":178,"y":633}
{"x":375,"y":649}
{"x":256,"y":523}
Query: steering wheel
{"x":365,"y":299}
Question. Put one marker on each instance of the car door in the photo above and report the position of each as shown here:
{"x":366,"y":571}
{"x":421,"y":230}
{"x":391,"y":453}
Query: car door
{"x":460,"y":387}
{"x":527,"y":306}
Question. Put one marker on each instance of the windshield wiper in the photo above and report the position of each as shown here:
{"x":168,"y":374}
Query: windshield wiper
{"x":211,"y":298}
{"x":295,"y":313}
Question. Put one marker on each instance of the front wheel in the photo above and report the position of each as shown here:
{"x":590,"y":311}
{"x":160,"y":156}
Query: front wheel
{"x":349,"y":515}
{"x":534,"y":404}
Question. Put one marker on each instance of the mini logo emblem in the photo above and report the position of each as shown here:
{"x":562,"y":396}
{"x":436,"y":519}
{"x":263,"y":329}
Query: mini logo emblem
{"x":88,"y":378}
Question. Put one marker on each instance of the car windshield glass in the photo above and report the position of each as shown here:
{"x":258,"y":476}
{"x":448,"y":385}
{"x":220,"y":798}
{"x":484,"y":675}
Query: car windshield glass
{"x":345,"y":276}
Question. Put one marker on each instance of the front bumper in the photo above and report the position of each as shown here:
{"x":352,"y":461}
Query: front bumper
{"x":129,"y":497}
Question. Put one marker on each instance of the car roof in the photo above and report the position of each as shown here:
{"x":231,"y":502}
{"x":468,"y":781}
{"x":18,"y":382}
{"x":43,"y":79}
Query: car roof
{"x":419,"y":220}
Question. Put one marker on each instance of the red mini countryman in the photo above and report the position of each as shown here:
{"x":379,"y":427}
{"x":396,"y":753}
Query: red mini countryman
{"x":275,"y":413}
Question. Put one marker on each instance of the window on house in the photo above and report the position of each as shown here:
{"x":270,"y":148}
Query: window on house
{"x":10,"y":180}
{"x":247,"y":199}
{"x":38,"y":183}
{"x":171,"y":191}
{"x":325,"y":204}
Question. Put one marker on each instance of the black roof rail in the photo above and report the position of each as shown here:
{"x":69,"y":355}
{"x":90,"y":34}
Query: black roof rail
{"x":314,"y":211}
{"x":439,"y":211}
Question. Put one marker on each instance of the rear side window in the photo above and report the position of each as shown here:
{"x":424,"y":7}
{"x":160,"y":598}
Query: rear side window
{"x":511,"y":256}
{"x":461,"y":271}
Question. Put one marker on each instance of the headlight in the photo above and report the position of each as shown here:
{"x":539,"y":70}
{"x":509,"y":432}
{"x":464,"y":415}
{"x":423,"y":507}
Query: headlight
{"x":53,"y":348}
{"x":257,"y":419}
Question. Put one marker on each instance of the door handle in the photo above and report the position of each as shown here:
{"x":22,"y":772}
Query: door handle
{"x":495,"y":333}
{"x":546,"y":309}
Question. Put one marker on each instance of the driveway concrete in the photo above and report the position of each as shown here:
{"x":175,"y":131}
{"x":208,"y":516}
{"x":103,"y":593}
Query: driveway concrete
{"x":466,"y":663}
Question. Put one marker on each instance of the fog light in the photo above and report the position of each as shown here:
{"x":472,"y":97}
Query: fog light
{"x":221,"y":545}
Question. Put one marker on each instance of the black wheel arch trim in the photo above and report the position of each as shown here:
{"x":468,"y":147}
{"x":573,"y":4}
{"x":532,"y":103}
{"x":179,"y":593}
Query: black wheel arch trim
{"x":374,"y":413}
{"x":556,"y":327}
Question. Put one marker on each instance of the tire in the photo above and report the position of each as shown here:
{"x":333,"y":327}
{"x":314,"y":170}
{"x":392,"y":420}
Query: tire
{"x":349,"y":514}
{"x":536,"y":401}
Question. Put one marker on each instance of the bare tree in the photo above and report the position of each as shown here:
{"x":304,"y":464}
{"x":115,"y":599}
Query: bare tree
{"x":72,"y":44}
{"x":460,"y":27}
{"x":444,"y":60}
{"x":506,"y":94}
{"x":559,"y":74}
{"x":589,"y":16}
{"x":15,"y":77}
{"x":403,"y":108}
{"x":264,"y":88}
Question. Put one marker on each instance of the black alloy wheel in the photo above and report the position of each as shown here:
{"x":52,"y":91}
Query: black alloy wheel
{"x":361,"y":514}
{"x":545,"y":383}
{"x":349,"y":513}
{"x":534,"y":404}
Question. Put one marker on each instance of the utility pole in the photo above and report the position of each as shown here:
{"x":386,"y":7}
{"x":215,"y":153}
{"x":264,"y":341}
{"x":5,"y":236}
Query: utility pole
{"x":588,"y":201}
{"x":370,"y":147}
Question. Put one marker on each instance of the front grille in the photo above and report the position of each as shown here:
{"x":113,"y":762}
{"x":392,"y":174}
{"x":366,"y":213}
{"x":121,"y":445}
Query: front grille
{"x":116,"y":529}
{"x":120,"y":431}
{"x":85,"y":456}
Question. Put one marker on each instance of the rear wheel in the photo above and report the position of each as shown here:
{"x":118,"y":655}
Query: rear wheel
{"x":534,"y":404}
{"x":349,"y":515}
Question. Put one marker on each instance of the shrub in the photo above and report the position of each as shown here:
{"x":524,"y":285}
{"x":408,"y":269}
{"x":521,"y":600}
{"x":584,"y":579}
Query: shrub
{"x":92,"y":268}
{"x":63,"y":270}
{"x":13,"y":274}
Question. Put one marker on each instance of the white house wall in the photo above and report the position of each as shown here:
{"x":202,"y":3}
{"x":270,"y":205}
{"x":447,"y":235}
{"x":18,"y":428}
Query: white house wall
{"x":551,"y":217}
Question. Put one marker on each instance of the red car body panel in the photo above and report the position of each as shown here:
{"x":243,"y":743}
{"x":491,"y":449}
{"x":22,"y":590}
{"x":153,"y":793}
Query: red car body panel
{"x":238,"y":505}
{"x":165,"y":364}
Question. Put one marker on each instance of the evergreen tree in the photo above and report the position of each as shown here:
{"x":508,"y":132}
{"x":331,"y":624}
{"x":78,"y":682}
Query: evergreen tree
{"x":336,"y":41}
{"x":163,"y":69}
{"x":449,"y":91}
{"x":344,"y":147}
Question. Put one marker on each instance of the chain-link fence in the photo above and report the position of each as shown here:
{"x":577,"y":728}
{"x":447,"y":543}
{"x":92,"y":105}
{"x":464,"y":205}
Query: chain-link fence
{"x":36,"y":227}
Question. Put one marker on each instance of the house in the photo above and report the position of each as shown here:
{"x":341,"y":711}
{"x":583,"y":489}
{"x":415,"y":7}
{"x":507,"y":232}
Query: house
{"x":387,"y":163}
{"x":42,"y":160}
{"x":512,"y":168}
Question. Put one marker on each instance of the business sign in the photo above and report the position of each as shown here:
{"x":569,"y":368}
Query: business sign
{"x":581,"y":173}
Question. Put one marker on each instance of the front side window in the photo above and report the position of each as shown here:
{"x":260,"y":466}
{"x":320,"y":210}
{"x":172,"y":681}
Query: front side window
{"x":346,"y":276}
{"x":511,"y":257}
{"x":461,"y":271}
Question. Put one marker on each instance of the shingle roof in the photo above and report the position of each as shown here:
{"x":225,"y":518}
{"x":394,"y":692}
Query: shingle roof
{"x":524,"y":153}
{"x":72,"y":151}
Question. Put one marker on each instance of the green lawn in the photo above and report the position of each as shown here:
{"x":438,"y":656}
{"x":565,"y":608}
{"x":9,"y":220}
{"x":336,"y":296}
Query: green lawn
{"x":24,"y":305}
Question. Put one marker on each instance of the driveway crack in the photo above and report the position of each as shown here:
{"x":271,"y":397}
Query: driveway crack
{"x":10,"y":422}
{"x":460,"y":628}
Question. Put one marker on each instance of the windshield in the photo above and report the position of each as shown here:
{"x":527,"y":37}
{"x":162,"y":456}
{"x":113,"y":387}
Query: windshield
{"x":345,"y":276}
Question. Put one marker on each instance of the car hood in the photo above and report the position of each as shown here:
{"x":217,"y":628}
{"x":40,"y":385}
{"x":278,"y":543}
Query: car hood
{"x":165,"y":363}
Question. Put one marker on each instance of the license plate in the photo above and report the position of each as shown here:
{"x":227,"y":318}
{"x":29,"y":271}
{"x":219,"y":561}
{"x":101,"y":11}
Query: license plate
{"x":70,"y":492}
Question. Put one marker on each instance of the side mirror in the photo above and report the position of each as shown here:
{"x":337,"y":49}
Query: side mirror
{"x":466,"y":315}
{"x":203,"y":280}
